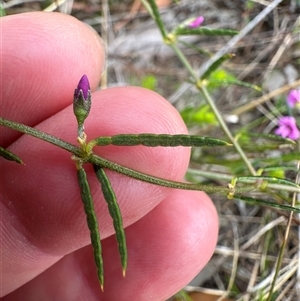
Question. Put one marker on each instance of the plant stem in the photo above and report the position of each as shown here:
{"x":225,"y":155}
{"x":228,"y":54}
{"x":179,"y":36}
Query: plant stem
{"x":156,"y":15}
{"x":213,"y":107}
{"x":226,"y":130}
{"x":94,"y":159}
{"x":41,"y":135}
{"x":104,"y":163}
{"x":227,"y":177}
{"x":184,"y":61}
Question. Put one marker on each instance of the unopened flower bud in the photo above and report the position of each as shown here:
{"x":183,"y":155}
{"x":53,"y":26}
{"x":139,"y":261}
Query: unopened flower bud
{"x":82,"y":100}
{"x":195,"y":23}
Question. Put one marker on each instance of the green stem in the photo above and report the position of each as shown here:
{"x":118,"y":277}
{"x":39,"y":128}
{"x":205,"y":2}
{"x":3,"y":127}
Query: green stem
{"x":94,"y":159}
{"x":213,"y":107}
{"x":185,"y":62}
{"x":284,"y":243}
{"x":156,"y":16}
{"x":226,"y":130}
{"x":41,"y":135}
{"x":226,"y":177}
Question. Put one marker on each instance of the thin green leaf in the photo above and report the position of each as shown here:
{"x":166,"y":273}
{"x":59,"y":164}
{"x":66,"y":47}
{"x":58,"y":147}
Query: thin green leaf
{"x":91,"y":221}
{"x":255,"y":201}
{"x":280,"y":167}
{"x":268,"y":137}
{"x":179,"y":31}
{"x":197,"y":49}
{"x":154,"y":140}
{"x":2,"y":11}
{"x":198,"y":115}
{"x":217,"y":64}
{"x":237,"y":83}
{"x":273,"y":180}
{"x":153,"y":10}
{"x":8,"y":155}
{"x":114,"y":212}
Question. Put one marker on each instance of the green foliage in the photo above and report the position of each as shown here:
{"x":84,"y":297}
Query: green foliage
{"x":2,"y":11}
{"x":201,"y":115}
{"x":149,"y":82}
{"x":261,"y":202}
{"x":91,"y":220}
{"x":114,"y":212}
{"x":216,"y":65}
{"x":179,"y":31}
{"x":153,"y":140}
{"x":218,"y":77}
{"x":249,"y":5}
{"x":182,"y":296}
{"x":8,"y":155}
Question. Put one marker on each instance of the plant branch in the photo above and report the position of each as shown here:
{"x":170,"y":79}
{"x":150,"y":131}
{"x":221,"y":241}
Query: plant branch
{"x":226,"y":130}
{"x":94,"y":159}
{"x":41,"y":135}
{"x":213,"y":107}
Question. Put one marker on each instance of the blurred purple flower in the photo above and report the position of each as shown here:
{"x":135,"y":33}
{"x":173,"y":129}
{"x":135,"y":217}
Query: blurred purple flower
{"x":287,"y":128}
{"x":83,"y":86}
{"x":293,"y":98}
{"x":196,"y":22}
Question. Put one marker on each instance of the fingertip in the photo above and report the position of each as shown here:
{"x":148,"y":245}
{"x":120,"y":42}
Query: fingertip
{"x":43,"y":57}
{"x":167,"y":249}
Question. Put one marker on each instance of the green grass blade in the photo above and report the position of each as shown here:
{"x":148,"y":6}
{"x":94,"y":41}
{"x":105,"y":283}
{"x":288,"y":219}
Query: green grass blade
{"x":255,"y":201}
{"x":204,"y":31}
{"x":91,"y":221}
{"x":217,"y":64}
{"x":279,"y":167}
{"x":267,"y":179}
{"x":227,"y":82}
{"x":8,"y":155}
{"x":2,"y":11}
{"x":154,"y":140}
{"x":114,"y":212}
{"x":153,"y":10}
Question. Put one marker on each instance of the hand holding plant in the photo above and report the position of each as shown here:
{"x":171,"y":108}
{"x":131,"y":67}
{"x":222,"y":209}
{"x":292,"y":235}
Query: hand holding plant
{"x":46,"y":238}
{"x":130,"y":132}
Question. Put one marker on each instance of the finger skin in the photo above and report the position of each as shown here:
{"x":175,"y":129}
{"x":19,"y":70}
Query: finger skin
{"x":43,"y":218}
{"x":183,"y":226}
{"x":43,"y":56}
{"x":43,"y":227}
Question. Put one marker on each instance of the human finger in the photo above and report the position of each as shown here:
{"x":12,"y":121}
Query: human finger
{"x":43,"y":218}
{"x":43,"y":55}
{"x":167,"y":248}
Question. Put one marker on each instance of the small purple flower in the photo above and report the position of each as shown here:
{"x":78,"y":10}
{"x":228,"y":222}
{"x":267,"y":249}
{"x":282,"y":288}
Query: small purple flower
{"x":196,"y":22}
{"x":293,"y":98}
{"x":83,"y":86}
{"x":288,"y":128}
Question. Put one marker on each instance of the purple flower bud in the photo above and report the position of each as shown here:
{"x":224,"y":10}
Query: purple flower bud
{"x":196,"y":22}
{"x":82,"y":101}
{"x":288,"y":128}
{"x":83,"y":86}
{"x":293,"y":98}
